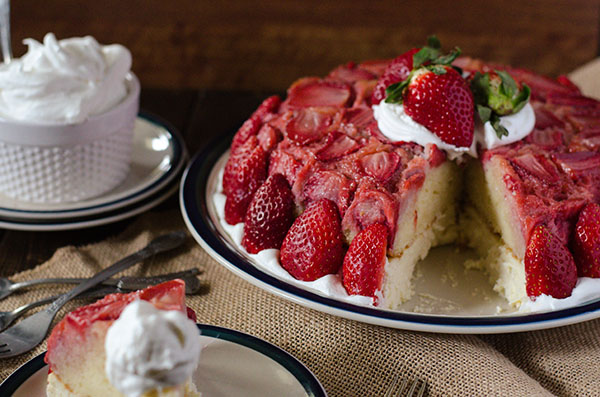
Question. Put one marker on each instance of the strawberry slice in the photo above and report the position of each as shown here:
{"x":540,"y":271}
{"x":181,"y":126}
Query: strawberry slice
{"x":364,"y":263}
{"x":313,"y":246}
{"x":319,"y":93}
{"x":311,"y":124}
{"x":269,"y":216}
{"x":244,"y":172}
{"x":331,"y":185}
{"x":350,"y":73}
{"x":549,"y":265}
{"x":337,"y":145}
{"x":381,"y":165}
{"x":443,"y":103}
{"x":395,"y":72}
{"x":586,"y":242}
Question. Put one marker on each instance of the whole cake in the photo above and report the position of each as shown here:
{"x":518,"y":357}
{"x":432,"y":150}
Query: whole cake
{"x":360,"y":173}
{"x":139,"y":344}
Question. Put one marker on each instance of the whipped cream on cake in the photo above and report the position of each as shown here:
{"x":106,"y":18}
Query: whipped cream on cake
{"x":63,"y":81}
{"x":148,"y":349}
{"x":396,"y":125}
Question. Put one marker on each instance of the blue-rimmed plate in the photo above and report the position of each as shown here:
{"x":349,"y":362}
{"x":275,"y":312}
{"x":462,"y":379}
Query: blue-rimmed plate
{"x":158,"y":156}
{"x":231,"y":364}
{"x":476,"y":308}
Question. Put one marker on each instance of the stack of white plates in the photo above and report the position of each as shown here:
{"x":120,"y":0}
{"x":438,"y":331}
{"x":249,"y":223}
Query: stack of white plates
{"x":158,"y":159}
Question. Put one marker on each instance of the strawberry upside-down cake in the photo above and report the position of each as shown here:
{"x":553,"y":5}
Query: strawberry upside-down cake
{"x":144,"y":343}
{"x":360,"y":173}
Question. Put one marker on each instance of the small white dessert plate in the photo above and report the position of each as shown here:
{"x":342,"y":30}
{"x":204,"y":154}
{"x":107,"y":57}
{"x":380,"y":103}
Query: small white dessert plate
{"x":448,"y":298}
{"x":231,"y":364}
{"x":158,"y":156}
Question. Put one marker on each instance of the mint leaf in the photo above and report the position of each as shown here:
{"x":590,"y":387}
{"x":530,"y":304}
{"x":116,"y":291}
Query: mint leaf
{"x":484,"y":113}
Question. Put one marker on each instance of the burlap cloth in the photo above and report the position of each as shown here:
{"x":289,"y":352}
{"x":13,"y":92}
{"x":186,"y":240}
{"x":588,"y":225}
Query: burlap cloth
{"x":349,"y":358}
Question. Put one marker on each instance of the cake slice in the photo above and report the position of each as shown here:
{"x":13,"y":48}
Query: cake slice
{"x":76,"y":353}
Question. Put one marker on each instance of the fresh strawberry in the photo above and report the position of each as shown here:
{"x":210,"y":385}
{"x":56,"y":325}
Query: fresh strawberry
{"x":443,"y":103}
{"x":586,"y":243}
{"x":269,"y":216}
{"x":267,"y":107}
{"x":313,"y":246}
{"x":549,"y":265}
{"x":248,"y":129}
{"x":395,"y":72}
{"x":244,"y":172}
{"x":363,"y":268}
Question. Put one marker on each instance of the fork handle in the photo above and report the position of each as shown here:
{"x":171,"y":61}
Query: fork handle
{"x":159,"y":244}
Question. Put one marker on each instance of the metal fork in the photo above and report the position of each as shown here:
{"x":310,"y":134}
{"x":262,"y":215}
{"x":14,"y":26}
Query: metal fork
{"x":400,"y":387}
{"x":30,"y":332}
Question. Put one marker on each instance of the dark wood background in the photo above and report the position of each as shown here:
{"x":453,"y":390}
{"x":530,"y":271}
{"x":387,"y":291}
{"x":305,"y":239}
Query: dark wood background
{"x":266,"y":44}
{"x":205,"y":65}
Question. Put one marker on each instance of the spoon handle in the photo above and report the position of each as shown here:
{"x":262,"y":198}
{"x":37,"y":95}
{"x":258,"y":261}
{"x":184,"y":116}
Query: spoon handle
{"x":5,"y":43}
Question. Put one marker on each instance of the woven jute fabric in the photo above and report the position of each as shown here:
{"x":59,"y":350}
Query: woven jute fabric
{"x":349,"y":358}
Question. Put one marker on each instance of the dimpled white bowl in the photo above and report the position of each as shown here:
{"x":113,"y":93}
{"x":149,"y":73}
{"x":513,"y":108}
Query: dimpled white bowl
{"x":60,"y":162}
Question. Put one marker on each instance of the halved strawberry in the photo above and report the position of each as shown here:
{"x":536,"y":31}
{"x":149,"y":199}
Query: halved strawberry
{"x":443,"y":103}
{"x":549,"y":265}
{"x":248,"y":129}
{"x":586,"y":242}
{"x":363,"y":267}
{"x":313,"y":246}
{"x":267,"y":107}
{"x":244,"y":172}
{"x":395,"y":72}
{"x":269,"y":216}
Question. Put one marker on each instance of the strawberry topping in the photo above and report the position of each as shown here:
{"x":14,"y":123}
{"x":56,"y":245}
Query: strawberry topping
{"x":313,"y":246}
{"x":549,"y":265}
{"x":364,"y":263}
{"x":269,"y":216}
{"x":586,"y":242}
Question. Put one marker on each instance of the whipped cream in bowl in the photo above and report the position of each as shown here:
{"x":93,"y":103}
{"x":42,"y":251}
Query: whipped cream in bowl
{"x":67,"y":114}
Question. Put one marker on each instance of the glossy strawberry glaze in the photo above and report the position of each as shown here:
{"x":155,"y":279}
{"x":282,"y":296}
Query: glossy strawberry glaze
{"x":74,"y":326}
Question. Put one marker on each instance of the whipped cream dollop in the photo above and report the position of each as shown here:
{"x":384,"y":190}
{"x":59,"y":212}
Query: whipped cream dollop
{"x":148,"y":348}
{"x":63,"y":81}
{"x":396,"y":125}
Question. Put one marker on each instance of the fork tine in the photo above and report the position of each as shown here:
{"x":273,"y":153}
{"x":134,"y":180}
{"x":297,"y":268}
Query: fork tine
{"x":393,"y":386}
{"x":422,"y":386}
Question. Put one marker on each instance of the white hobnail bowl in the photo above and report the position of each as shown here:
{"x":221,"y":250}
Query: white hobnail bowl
{"x":56,"y":163}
